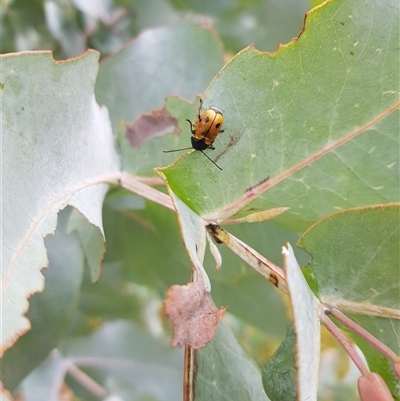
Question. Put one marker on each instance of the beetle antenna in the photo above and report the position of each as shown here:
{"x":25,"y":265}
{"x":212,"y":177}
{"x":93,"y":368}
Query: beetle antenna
{"x":191,"y":126}
{"x":201,"y":105}
{"x":175,"y":150}
{"x":211,"y":160}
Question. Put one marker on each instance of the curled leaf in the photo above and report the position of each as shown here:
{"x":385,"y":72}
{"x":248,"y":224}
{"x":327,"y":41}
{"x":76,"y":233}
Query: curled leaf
{"x":194,"y":317}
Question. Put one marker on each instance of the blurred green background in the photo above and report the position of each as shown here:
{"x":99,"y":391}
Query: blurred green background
{"x":69,"y":27}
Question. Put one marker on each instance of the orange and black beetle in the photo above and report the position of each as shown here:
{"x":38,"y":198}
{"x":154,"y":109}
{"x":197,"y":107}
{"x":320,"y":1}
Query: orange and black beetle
{"x":207,"y":128}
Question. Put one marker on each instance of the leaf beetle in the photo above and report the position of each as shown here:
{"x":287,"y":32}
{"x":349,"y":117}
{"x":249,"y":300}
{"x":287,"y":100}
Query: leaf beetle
{"x":207,"y":128}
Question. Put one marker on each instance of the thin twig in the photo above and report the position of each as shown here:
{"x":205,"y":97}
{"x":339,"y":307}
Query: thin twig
{"x":86,"y":381}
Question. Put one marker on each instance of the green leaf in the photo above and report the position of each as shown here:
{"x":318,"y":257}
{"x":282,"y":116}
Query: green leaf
{"x":224,"y":372}
{"x":51,"y":311}
{"x":355,"y":259}
{"x":278,"y":374}
{"x":91,"y":238}
{"x":313,"y":127}
{"x":60,"y":151}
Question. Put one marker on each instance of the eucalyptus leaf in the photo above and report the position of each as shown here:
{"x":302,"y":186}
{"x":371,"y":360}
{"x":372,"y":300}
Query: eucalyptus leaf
{"x":313,"y":127}
{"x":60,"y":151}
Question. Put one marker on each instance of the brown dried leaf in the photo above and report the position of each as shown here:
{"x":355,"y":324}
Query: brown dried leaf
{"x":194,"y":317}
{"x":147,"y":126}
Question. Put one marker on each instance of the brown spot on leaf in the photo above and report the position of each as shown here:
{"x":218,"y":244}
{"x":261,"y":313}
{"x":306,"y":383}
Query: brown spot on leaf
{"x":249,"y":189}
{"x":273,"y":279}
{"x":194,"y":317}
{"x":148,"y":126}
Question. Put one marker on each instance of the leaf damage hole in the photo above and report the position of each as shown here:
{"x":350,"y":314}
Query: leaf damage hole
{"x":148,"y":126}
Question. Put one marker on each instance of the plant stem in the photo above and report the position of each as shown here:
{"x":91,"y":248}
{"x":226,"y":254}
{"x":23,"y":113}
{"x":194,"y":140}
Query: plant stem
{"x":132,"y":184}
{"x":86,"y":381}
{"x":346,"y":344}
{"x":377,"y":344}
